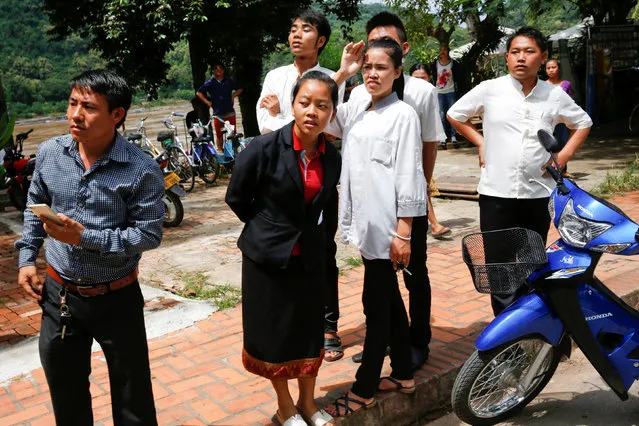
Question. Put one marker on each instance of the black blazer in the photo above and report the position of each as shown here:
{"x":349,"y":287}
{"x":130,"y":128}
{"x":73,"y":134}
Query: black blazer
{"x":266,"y":192}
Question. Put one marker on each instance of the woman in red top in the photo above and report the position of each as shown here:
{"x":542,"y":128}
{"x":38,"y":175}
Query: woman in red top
{"x":280,"y":186}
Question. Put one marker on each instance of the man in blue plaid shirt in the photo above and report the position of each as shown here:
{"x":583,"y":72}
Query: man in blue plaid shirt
{"x":107,"y":194}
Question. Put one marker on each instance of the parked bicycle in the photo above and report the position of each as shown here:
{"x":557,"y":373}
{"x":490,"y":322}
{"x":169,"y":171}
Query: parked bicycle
{"x":142,"y":141}
{"x":179,"y":161}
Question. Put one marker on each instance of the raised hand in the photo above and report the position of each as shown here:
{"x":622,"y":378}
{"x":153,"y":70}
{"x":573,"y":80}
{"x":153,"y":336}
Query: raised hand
{"x":352,"y":58}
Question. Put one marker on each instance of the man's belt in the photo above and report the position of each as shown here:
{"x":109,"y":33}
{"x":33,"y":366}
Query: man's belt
{"x":93,"y":290}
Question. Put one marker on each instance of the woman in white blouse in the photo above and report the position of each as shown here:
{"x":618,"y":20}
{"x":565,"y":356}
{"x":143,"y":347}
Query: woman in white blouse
{"x":382,"y":189}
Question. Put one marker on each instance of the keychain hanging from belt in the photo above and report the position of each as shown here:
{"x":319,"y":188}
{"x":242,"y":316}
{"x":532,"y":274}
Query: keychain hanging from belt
{"x":65,"y":313}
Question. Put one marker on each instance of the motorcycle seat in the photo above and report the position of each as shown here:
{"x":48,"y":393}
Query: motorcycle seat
{"x":202,"y":139}
{"x":163,"y":136}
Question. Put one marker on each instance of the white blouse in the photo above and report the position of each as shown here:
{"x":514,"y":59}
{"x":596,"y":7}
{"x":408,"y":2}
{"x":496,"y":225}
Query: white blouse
{"x":382,"y":176}
{"x":512,"y":152}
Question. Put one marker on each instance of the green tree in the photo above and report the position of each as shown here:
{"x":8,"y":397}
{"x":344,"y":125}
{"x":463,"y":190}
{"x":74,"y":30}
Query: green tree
{"x":6,"y":120}
{"x":134,"y":37}
{"x":615,"y":12}
{"x":440,"y":18}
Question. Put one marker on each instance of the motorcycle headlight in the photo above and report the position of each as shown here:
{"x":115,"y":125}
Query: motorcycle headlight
{"x":551,"y":207}
{"x":577,"y":231}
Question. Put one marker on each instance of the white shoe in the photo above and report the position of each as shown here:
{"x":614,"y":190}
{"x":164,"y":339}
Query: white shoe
{"x":295,"y":420}
{"x":320,"y":418}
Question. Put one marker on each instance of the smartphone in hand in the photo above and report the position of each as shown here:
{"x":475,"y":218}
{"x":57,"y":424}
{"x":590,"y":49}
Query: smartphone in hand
{"x":42,"y":210}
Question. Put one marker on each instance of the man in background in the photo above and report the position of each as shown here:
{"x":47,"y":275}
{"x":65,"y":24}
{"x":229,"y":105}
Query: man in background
{"x":219,"y":93}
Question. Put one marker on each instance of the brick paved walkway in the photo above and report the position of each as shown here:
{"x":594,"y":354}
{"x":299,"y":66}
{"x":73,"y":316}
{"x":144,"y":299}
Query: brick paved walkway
{"x":198,"y":376}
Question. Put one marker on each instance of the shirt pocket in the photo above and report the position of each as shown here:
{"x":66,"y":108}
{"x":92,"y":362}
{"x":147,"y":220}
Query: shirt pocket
{"x":381,"y":151}
{"x":537,"y":119}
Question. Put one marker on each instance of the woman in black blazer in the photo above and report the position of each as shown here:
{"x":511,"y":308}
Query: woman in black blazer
{"x":280,"y":186}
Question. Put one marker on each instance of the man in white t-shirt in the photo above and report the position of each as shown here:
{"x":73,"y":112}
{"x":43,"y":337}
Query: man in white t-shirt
{"x":446,"y":73}
{"x":307,"y":37}
{"x":420,"y":95}
{"x":514,"y":107}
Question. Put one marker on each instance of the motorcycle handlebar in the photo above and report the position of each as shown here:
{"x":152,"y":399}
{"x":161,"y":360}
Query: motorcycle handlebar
{"x":24,"y":135}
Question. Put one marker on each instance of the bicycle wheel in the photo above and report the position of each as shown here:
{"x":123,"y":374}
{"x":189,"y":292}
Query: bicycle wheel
{"x":179,"y":163}
{"x":209,"y":169}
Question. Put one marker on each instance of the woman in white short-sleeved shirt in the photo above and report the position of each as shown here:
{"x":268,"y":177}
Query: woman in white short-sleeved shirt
{"x":382,"y":189}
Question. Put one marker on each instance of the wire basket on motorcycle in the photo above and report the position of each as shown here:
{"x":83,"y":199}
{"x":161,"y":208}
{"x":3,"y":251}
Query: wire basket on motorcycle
{"x":500,"y":261}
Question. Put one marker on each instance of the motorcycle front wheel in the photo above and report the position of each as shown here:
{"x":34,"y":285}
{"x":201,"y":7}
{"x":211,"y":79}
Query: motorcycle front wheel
{"x":497,"y":384}
{"x":173,"y":209}
{"x":209,"y":169}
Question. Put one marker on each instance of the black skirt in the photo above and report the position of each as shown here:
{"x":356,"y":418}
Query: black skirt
{"x":282,"y":319}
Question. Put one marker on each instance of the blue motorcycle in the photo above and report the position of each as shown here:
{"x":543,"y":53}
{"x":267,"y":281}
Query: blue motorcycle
{"x":518,"y":352}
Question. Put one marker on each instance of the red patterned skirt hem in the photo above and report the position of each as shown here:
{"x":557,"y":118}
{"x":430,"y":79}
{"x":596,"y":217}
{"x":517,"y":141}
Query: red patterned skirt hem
{"x":294,"y":369}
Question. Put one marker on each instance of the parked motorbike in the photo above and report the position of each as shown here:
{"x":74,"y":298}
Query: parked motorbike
{"x":203,"y":154}
{"x":233,"y":143}
{"x":18,"y":171}
{"x":173,"y":208}
{"x":518,"y":352}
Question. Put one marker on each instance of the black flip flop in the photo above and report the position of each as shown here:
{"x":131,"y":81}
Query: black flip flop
{"x":333,"y":344}
{"x":346,"y":405}
{"x":398,"y":386}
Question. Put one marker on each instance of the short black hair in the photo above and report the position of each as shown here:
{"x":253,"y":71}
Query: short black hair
{"x":113,"y":87}
{"x":392,"y":49}
{"x":419,"y":66}
{"x":532,"y":33}
{"x":387,"y":19}
{"x":319,"y":21}
{"x":218,"y":64}
{"x":319,"y":76}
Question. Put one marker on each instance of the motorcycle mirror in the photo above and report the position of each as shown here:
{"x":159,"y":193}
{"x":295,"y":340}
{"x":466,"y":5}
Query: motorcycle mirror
{"x":548,"y":141}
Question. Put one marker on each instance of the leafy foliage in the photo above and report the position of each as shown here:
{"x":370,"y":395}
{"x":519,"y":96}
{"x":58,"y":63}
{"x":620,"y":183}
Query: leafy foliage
{"x":36,"y":72}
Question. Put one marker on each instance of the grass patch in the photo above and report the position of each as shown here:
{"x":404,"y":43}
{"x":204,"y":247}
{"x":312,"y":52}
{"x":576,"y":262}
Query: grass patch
{"x":197,"y":286}
{"x":618,"y":183}
{"x":354,"y":261}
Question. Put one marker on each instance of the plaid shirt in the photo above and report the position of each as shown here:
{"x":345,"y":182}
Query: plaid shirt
{"x":118,"y":201}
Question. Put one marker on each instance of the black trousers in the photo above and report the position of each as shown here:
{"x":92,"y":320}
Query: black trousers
{"x":501,"y":213}
{"x":116,"y":322}
{"x":386,"y":325}
{"x":331,"y":305}
{"x":418,"y":285}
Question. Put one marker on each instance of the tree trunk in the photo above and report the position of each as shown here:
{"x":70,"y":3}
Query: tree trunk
{"x":248,"y":68}
{"x":198,"y":49}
